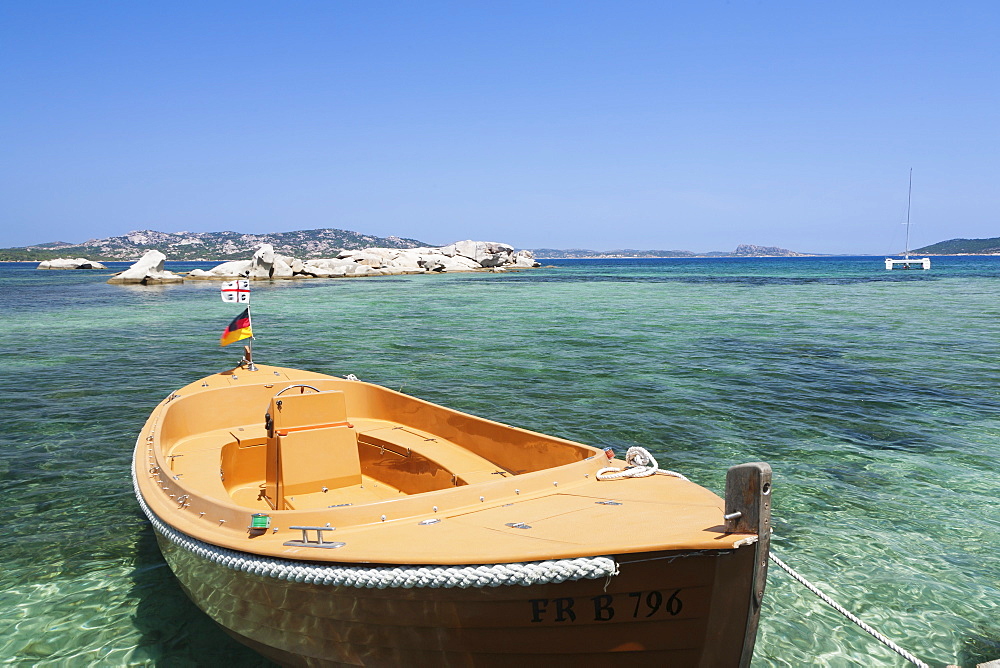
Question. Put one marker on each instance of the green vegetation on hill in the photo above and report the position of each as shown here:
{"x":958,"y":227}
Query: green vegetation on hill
{"x":179,"y":246}
{"x":963,"y":247}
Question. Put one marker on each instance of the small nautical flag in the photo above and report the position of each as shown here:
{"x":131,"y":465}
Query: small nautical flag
{"x":236,"y":292}
{"x":237,"y":330}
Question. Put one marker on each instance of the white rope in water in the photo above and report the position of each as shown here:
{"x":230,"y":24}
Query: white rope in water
{"x":381,"y":577}
{"x":639,"y":464}
{"x":839,"y":608}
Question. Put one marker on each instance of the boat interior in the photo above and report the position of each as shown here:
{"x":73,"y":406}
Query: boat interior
{"x":297,"y":451}
{"x":325,"y":442}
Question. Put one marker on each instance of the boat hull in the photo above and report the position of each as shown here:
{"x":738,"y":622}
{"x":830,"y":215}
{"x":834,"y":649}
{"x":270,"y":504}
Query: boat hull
{"x":324,"y":521}
{"x":661,"y":609}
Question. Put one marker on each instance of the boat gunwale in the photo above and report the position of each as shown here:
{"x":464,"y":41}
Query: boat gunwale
{"x":223,"y":522}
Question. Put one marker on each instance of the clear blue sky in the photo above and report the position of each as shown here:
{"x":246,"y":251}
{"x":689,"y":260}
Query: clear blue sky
{"x":666,"y":125}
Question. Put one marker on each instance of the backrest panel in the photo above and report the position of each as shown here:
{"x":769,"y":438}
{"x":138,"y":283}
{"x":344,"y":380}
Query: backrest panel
{"x":295,"y":410}
{"x":312,"y":459}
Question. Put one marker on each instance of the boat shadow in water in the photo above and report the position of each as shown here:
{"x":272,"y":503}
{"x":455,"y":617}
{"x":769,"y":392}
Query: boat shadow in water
{"x":173,"y":630}
{"x":980,"y":647}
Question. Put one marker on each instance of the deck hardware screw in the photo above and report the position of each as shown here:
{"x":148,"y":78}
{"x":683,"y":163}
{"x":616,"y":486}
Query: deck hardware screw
{"x":435,"y":509}
{"x":221,"y":522}
{"x":325,"y":489}
{"x":383,"y":518}
{"x":517,"y":491}
{"x":201,"y":514}
{"x":555,"y":484}
{"x":482,"y":498}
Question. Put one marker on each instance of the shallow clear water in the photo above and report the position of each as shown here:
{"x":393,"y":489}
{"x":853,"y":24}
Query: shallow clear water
{"x":875,"y":396}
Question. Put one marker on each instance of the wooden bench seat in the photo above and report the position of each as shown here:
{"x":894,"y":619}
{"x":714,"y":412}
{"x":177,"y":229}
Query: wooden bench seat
{"x":466,"y":466}
{"x":197,"y":461}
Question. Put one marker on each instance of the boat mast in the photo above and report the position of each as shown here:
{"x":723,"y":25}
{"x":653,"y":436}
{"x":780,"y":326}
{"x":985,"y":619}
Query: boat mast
{"x":909,"y":192}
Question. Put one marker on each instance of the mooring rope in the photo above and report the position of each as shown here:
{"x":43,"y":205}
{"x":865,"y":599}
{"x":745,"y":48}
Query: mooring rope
{"x":639,"y":464}
{"x":839,"y":608}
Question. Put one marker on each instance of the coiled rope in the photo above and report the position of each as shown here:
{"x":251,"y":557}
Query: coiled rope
{"x":839,"y":608}
{"x":639,"y":464}
{"x":381,"y":577}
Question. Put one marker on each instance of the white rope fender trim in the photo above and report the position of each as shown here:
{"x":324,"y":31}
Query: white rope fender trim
{"x":524,"y":574}
{"x":639,"y":465}
{"x":842,"y":610}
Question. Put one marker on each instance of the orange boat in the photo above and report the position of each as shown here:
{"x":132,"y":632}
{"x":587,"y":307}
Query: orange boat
{"x":328,"y":521}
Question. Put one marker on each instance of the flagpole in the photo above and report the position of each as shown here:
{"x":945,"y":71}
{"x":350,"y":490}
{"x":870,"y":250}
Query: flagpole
{"x":249,"y":349}
{"x":239,"y":291}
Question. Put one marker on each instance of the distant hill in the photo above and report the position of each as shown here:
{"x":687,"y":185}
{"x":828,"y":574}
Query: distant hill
{"x":743,"y":250}
{"x":327,"y":242}
{"x":962,"y":247}
{"x":304,"y":244}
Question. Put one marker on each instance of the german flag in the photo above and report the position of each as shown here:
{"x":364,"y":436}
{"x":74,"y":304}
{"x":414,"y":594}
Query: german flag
{"x":237,"y":330}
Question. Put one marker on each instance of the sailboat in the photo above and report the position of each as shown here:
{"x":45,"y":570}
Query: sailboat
{"x":907,"y":262}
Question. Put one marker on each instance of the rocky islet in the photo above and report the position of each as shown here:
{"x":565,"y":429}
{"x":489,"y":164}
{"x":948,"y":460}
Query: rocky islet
{"x":266,"y":264}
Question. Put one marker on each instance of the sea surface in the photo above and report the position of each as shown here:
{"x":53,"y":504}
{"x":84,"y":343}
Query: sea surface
{"x":874,"y":395}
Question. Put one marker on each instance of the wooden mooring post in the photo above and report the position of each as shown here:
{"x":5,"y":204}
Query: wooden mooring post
{"x":748,"y":510}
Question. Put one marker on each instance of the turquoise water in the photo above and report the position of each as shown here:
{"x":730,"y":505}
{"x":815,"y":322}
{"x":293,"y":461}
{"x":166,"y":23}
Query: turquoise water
{"x":875,"y":396}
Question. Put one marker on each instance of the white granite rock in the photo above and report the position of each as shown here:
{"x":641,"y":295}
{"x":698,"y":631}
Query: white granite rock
{"x":368,"y":257}
{"x":460,"y":256}
{"x":359,"y":270}
{"x":148,"y":270}
{"x":434,"y":262}
{"x":525,"y":258}
{"x":281,"y":269}
{"x":70,"y":263}
{"x":495,"y":260}
{"x":226,"y":270}
{"x":262,"y":262}
{"x":462,"y":263}
{"x":481,"y":250}
{"x":324,"y":268}
{"x":406,"y":260}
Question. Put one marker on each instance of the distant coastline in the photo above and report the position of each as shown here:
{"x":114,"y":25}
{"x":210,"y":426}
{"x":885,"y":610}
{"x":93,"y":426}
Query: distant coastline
{"x":327,"y":242}
{"x":731,"y":257}
{"x":305,"y":244}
